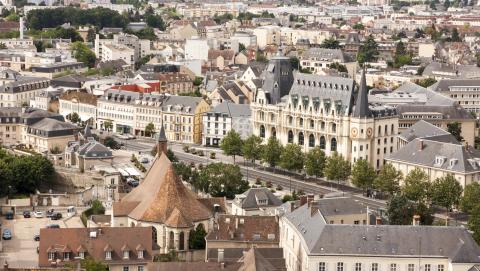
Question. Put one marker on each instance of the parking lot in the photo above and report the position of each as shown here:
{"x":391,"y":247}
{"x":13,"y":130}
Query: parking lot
{"x":21,"y":250}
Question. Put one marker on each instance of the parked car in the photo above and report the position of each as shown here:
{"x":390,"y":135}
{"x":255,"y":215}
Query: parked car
{"x":9,"y":215}
{"x":7,"y":234}
{"x":56,"y":216}
{"x":145,"y":160}
{"x":36,"y":237}
{"x":38,"y":214}
{"x":50,"y":213}
{"x":53,"y":226}
{"x":26,"y":214}
{"x":132,"y":182}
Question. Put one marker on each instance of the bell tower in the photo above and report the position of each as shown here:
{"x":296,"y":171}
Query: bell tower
{"x":162,"y":142}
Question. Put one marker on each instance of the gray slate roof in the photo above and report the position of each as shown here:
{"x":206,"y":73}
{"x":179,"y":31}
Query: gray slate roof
{"x":423,"y":129}
{"x":444,"y":84}
{"x":94,"y":149}
{"x":339,"y":206}
{"x":250,"y":200}
{"x":433,"y":98}
{"x":456,"y":157}
{"x":324,"y":53}
{"x":361,"y":109}
{"x":233,"y":110}
{"x":453,"y":112}
{"x":454,"y":243}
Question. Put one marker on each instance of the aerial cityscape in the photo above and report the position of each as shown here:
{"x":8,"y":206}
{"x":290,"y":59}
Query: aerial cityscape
{"x":288,"y":135}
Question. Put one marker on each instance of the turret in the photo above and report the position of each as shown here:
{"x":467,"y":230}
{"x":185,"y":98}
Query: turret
{"x":162,"y":141}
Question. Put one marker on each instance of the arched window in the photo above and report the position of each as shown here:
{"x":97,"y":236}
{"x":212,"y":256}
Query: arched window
{"x":311,"y":140}
{"x":392,"y":130}
{"x":181,"y":241}
{"x":322,"y":142}
{"x":171,"y":244}
{"x":379,"y":130}
{"x":333,"y":144}
{"x":312,"y":124}
{"x":301,"y":122}
{"x":262,"y":131}
{"x":322,"y":125}
{"x":290,"y":120}
{"x":290,"y":136}
{"x":301,"y":139}
{"x":334,"y":128}
{"x":154,"y":235}
{"x":274,"y":132}
{"x":386,"y":129}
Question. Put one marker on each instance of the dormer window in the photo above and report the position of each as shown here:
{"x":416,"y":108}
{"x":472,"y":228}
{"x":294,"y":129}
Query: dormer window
{"x":81,"y":255}
{"x":66,"y":256}
{"x":108,"y":255}
{"x":51,"y":256}
{"x":140,"y":254}
{"x":126,"y":254}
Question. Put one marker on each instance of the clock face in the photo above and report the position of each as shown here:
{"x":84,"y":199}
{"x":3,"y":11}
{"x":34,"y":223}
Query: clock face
{"x":369,"y":132}
{"x":354,"y":132}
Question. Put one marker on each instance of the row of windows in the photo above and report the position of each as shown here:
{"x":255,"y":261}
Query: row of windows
{"x":340,"y":266}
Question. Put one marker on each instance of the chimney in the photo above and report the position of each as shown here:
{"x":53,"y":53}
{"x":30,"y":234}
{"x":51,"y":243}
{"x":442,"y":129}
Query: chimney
{"x":222,"y":265}
{"x":236,"y":223}
{"x":416,"y":220}
{"x":303,"y":200}
{"x":292,"y":206}
{"x":310,"y":199}
{"x":313,"y":210}
{"x":378,"y":220}
{"x":5,"y":266}
{"x":420,"y":145}
{"x":220,"y":252}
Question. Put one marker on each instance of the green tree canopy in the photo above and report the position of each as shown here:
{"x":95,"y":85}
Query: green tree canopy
{"x":252,"y":148}
{"x":292,"y":157}
{"x":368,"y":52}
{"x":222,"y":180}
{"x":232,"y":144}
{"x":471,"y":198}
{"x":400,"y":210}
{"x":150,"y":129}
{"x":388,"y":179}
{"x":455,"y":128}
{"x":446,"y":191}
{"x":315,"y":161}
{"x":330,"y":43}
{"x":474,"y":223}
{"x":83,"y":54}
{"x":337,"y":168}
{"x":90,"y":264}
{"x":416,"y":186}
{"x":363,"y":174}
{"x":272,"y":151}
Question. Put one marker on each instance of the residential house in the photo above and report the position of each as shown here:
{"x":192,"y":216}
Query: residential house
{"x":81,"y":103}
{"x":256,"y":201}
{"x":19,"y":91}
{"x":121,"y":248}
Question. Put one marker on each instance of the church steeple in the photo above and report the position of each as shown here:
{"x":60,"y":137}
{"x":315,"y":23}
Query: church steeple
{"x":361,"y":109}
{"x":162,"y":141}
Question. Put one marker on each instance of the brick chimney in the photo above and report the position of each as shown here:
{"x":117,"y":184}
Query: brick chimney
{"x":292,"y":206}
{"x":310,"y":199}
{"x":378,"y":220}
{"x":303,"y":200}
{"x":420,"y":144}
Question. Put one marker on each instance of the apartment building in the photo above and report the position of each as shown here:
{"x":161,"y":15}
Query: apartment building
{"x":309,"y":242}
{"x":175,"y":83}
{"x":17,"y":91}
{"x":318,"y":59}
{"x":223,"y":118}
{"x":130,"y":113}
{"x":140,"y":47}
{"x":82,"y":103}
{"x":313,"y":110}
{"x":464,"y":91}
{"x":118,"y":51}
{"x":37,"y":129}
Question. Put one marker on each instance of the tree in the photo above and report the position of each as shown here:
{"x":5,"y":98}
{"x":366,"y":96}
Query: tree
{"x":292,"y":157}
{"x":221,"y":180}
{"x":363,"y":174}
{"x":416,"y":186}
{"x":446,"y":192}
{"x":474,"y":223}
{"x":241,"y":47}
{"x":446,"y":4}
{"x":231,"y":144}
{"x":150,"y":129}
{"x":400,"y":210}
{"x":197,"y":237}
{"x":252,"y":148}
{"x":272,"y":151}
{"x":470,"y":199}
{"x":97,"y":208}
{"x":74,"y":117}
{"x":315,"y":161}
{"x":358,"y":26}
{"x":295,"y":62}
{"x":330,"y":43}
{"x":83,"y":54}
{"x":155,"y":21}
{"x":339,"y":67}
{"x":337,"y":168}
{"x":91,"y":35}
{"x":388,"y":180}
{"x":90,"y":264}
{"x":108,"y":125}
{"x":3,"y":46}
{"x":455,"y":35}
{"x":455,"y":128}
{"x":368,"y":52}
{"x":426,"y":82}
{"x":111,"y":143}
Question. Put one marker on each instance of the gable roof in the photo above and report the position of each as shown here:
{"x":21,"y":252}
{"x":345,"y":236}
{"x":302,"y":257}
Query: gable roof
{"x":250,"y":229}
{"x":422,"y":129}
{"x":248,"y":200}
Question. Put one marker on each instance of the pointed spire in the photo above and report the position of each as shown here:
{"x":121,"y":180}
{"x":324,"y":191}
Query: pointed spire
{"x":162,"y":141}
{"x":361,"y":109}
{"x":87,"y":132}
